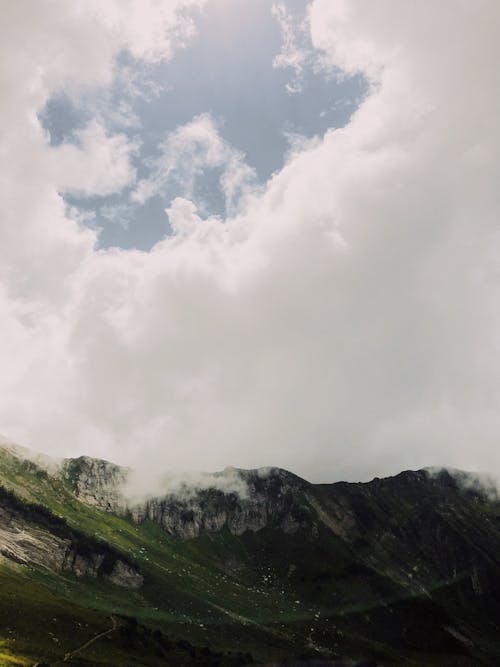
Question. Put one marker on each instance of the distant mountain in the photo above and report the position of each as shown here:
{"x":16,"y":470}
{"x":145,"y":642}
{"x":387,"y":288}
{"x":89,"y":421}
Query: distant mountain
{"x":268,"y":570}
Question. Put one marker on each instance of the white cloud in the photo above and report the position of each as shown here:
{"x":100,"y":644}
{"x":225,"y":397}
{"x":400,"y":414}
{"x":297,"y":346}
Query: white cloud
{"x":344,"y":323}
{"x":141,"y":485}
{"x":47,"y":47}
{"x":99,"y":165}
{"x":151,"y":30}
{"x":292,"y":55}
{"x":190,"y":150}
{"x":297,"y":53}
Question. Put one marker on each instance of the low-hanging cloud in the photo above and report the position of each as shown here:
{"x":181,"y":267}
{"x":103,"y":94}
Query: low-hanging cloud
{"x":142,"y":485}
{"x":343,"y":323}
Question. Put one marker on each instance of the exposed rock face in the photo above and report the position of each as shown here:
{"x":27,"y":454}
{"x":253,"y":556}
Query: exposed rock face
{"x":125,"y":575}
{"x":34,"y":537}
{"x":271,"y":498}
{"x":96,"y":482}
{"x":28,"y":544}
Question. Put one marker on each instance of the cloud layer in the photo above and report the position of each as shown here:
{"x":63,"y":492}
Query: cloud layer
{"x":342,"y":323}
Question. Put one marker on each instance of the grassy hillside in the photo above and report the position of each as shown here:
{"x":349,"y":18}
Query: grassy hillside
{"x":388,"y":571}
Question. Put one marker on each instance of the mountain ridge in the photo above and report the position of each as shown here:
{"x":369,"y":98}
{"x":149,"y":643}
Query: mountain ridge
{"x":398,"y":570}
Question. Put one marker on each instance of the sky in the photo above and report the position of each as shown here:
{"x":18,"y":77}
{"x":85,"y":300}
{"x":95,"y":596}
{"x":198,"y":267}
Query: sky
{"x":252,"y":233}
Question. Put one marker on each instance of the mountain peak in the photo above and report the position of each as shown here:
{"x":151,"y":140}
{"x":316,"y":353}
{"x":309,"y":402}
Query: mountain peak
{"x":379,"y":569}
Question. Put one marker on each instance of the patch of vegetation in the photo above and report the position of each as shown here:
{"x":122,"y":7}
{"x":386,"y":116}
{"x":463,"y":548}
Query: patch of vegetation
{"x":381,"y":570}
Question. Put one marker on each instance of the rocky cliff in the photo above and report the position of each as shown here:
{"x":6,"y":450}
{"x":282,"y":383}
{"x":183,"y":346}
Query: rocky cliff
{"x":32,"y":535}
{"x":96,"y":482}
{"x":265,"y":496}
{"x":402,"y":570}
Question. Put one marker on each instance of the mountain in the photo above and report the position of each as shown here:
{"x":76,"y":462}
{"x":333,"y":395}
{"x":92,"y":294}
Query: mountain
{"x":249,"y":567}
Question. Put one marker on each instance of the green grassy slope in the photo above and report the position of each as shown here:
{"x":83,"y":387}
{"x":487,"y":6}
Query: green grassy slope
{"x":382,"y":572}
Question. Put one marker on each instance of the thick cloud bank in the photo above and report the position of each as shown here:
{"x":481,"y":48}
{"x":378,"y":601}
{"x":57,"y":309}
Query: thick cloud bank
{"x":343,"y":323}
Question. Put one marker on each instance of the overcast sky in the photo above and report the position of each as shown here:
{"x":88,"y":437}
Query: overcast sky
{"x":252,"y":233}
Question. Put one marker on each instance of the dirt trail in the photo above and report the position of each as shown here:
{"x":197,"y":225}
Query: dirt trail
{"x":71,"y":654}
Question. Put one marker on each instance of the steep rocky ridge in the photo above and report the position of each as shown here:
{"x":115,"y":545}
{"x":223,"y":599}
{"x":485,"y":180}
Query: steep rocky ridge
{"x":424,"y":527}
{"x":271,"y":499}
{"x":402,"y":570}
{"x":268,"y":495}
{"x":96,"y":482}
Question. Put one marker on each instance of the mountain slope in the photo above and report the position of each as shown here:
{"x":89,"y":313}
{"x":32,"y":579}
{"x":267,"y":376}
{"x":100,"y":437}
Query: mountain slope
{"x":404,"y":570}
